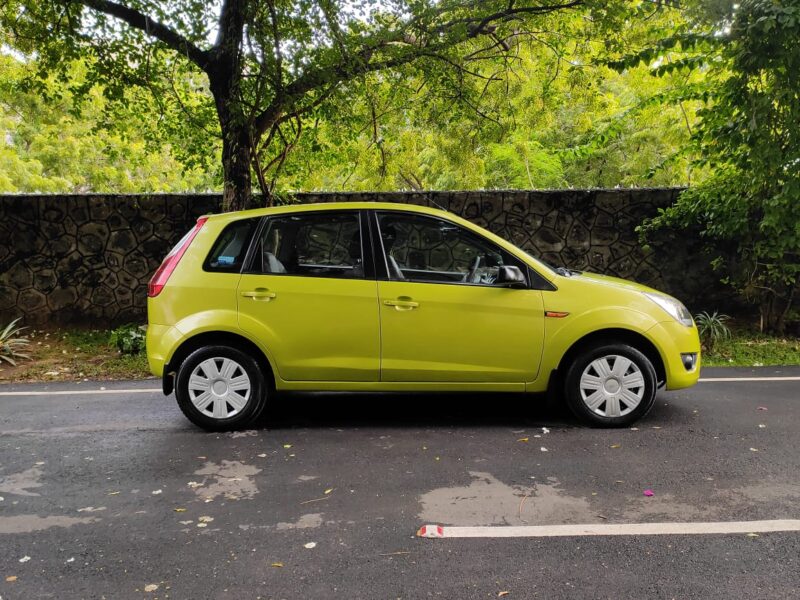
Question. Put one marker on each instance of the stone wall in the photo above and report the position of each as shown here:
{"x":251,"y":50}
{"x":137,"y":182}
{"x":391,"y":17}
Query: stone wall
{"x":87,"y":259}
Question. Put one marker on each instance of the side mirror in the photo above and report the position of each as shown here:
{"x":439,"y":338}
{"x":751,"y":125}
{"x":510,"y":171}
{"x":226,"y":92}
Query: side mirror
{"x":510,"y":276}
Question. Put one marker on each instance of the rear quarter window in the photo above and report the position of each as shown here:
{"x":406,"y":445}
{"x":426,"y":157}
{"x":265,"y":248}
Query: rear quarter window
{"x":229,"y":250}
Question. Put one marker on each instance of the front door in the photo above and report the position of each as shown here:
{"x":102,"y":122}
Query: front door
{"x":306,"y":297}
{"x":442,"y":317}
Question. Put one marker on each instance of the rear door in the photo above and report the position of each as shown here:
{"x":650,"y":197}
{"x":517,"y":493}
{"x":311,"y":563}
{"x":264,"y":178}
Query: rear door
{"x":443,"y":319}
{"x":311,"y":297}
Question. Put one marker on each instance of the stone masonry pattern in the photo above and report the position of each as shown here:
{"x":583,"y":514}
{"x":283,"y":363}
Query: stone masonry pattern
{"x":86,"y":259}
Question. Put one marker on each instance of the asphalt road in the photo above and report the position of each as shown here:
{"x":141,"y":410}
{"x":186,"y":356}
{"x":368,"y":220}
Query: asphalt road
{"x":109,"y":495}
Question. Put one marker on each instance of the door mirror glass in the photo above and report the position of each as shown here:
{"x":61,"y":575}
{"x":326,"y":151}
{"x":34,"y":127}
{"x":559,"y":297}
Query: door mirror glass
{"x":511,"y":276}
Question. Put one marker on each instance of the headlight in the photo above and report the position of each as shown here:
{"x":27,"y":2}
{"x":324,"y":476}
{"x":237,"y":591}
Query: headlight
{"x":673,"y":307}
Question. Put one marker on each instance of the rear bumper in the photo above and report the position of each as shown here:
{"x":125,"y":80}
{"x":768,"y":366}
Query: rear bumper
{"x":161,"y":339}
{"x":672,"y":340}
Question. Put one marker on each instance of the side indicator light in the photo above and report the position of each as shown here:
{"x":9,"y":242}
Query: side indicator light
{"x":554,"y":314}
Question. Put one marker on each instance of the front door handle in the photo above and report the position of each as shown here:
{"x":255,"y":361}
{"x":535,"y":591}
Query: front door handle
{"x":402,"y":303}
{"x":260,"y":294}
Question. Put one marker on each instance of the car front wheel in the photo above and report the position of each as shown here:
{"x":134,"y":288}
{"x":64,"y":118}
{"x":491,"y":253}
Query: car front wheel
{"x":220,"y":388}
{"x":611,"y":385}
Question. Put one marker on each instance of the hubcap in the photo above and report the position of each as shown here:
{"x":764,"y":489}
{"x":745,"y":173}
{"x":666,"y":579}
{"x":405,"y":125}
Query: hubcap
{"x":612,"y":386}
{"x":219,"y":387}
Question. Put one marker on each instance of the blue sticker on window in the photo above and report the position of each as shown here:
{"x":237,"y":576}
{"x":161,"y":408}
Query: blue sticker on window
{"x":225,"y":260}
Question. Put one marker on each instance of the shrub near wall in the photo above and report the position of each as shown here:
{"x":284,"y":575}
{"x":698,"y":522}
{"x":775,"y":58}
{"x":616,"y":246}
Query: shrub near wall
{"x":87,"y":259}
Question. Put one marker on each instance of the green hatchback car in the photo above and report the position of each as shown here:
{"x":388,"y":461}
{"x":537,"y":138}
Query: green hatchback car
{"x":388,"y":297}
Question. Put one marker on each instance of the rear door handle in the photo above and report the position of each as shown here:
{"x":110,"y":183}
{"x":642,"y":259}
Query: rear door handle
{"x":260,"y":294}
{"x":402,"y":304}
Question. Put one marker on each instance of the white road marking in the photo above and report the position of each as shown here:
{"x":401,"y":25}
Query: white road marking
{"x":82,"y":392}
{"x":601,"y":529}
{"x":724,"y":379}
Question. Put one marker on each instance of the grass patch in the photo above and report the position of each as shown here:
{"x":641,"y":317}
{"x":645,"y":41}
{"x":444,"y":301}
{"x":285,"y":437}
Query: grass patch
{"x":74,"y":355}
{"x":753,"y":349}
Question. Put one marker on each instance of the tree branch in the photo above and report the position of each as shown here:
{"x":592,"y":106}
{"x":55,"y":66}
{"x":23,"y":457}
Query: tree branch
{"x":360,"y":62}
{"x":153,"y":28}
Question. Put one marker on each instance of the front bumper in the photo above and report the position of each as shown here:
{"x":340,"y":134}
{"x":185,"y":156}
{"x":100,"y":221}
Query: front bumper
{"x":673,"y":341}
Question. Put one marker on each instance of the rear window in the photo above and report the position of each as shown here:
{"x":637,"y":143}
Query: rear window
{"x":228,"y":252}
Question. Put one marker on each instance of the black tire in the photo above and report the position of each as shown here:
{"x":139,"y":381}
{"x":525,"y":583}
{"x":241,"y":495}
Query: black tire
{"x":256,"y":400}
{"x":595,"y":418}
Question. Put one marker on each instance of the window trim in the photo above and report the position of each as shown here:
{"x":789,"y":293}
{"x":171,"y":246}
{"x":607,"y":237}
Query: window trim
{"x":386,"y":277}
{"x":368,"y":265}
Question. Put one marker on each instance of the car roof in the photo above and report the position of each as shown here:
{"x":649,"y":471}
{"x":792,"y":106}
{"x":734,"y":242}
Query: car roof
{"x":318,"y":206}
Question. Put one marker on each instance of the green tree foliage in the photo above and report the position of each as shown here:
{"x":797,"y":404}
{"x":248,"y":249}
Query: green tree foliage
{"x":54,"y":142}
{"x":748,"y":135}
{"x":559,"y":119}
{"x":271,"y":65}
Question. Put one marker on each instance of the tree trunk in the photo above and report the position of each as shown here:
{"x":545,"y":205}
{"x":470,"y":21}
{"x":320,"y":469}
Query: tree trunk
{"x":237,"y":193}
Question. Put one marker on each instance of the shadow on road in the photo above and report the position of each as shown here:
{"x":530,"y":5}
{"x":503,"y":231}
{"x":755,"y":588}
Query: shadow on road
{"x":346,"y":409}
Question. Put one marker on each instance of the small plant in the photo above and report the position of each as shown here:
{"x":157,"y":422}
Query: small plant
{"x":11,"y":343}
{"x":712,"y":328}
{"x":129,"y":339}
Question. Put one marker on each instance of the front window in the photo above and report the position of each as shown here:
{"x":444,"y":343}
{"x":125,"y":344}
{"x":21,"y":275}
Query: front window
{"x":326,"y":244}
{"x":426,"y":249}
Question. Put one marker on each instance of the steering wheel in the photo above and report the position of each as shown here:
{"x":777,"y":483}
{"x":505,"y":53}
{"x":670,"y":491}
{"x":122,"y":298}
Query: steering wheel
{"x":470,"y":275}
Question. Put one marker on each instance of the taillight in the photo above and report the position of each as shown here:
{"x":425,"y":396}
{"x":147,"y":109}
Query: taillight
{"x":159,"y":279}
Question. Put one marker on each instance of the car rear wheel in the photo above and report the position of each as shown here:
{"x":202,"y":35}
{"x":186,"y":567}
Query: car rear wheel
{"x":611,"y":385}
{"x":220,"y":388}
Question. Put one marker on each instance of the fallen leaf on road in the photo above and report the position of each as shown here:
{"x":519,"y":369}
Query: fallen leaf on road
{"x":543,"y":449}
{"x":185,"y":522}
{"x":753,"y":449}
{"x":113,"y":493}
{"x":655,"y":427}
{"x":262,"y":456}
{"x":287,"y":446}
{"x":522,"y":440}
{"x":752,"y":535}
{"x":11,"y":578}
{"x":648,"y":493}
{"x":194,"y":484}
{"x":92,"y":509}
{"x":545,"y":430}
{"x":634,"y":429}
{"x":503,"y":593}
{"x":310,"y":545}
{"x":41,"y":462}
{"x":277,"y":565}
{"x":71,"y":559}
{"x":24,"y":559}
{"x":155,"y":492}
{"x":151,"y":587}
{"x":329,"y":490}
{"x":205,"y":519}
{"x":315,"y":500}
{"x":202,"y":524}
{"x":762,"y":408}
{"x":616,"y":446}
{"x":761,"y":426}
{"x":179,"y":509}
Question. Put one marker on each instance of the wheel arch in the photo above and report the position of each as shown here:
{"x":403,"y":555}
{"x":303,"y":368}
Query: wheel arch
{"x":612,"y":335}
{"x":216,"y":338}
